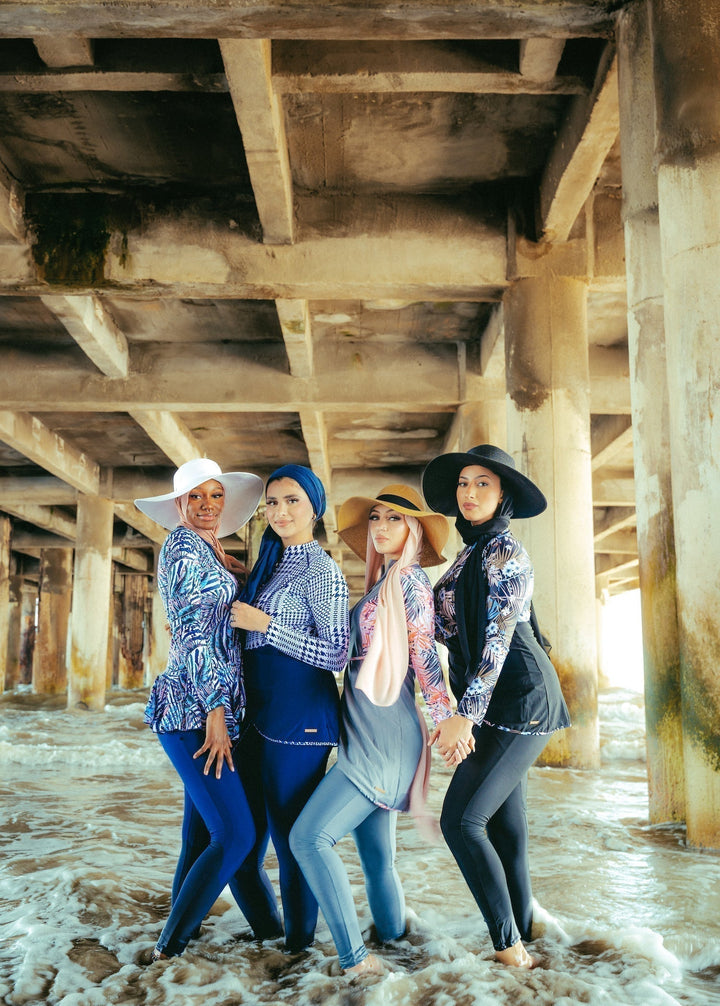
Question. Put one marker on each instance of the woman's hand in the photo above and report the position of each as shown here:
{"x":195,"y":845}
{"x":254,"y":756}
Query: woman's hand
{"x":244,"y":616}
{"x":217,"y":743}
{"x":454,"y":739}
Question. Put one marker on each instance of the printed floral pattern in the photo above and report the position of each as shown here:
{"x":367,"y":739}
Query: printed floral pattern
{"x":510,"y":580}
{"x":424,"y":660}
{"x":204,"y":667}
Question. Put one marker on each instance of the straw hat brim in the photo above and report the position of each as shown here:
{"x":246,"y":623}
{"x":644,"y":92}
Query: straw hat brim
{"x":353,"y":527}
{"x":243,"y":492}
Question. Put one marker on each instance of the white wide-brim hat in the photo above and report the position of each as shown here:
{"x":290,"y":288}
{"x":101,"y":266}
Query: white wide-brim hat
{"x":242,"y":495}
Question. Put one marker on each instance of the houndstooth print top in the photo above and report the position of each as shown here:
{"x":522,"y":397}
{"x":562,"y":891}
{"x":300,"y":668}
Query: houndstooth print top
{"x":307,"y":598}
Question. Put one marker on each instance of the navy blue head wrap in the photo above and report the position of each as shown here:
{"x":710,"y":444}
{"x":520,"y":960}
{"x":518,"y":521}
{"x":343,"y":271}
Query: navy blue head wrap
{"x":271,"y":546}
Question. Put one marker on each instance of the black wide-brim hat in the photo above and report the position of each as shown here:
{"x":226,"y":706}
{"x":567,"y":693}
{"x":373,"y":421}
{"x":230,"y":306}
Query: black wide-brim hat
{"x":440,"y":479}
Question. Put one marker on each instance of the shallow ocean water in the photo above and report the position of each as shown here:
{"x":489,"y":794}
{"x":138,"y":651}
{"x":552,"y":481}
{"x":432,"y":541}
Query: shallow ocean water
{"x":90,"y":814}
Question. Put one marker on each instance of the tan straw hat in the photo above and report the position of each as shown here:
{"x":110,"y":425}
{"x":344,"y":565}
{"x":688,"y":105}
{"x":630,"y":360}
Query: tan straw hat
{"x":354,"y":513}
{"x":242,"y":495}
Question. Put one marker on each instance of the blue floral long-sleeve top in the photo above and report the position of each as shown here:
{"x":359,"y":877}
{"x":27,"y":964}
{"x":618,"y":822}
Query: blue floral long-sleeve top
{"x":510,"y":579}
{"x":204,"y":668}
{"x":307,"y":599}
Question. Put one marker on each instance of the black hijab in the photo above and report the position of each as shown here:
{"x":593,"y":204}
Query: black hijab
{"x":471,"y":588}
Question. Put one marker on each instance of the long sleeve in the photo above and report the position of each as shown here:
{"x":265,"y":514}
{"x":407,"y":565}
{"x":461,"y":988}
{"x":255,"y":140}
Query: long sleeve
{"x":510,"y":585}
{"x":204,"y":669}
{"x":424,"y":660}
{"x":307,"y":600}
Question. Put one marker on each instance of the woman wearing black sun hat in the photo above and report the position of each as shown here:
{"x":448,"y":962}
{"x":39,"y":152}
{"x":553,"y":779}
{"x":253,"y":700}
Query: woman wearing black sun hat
{"x":508,"y":694}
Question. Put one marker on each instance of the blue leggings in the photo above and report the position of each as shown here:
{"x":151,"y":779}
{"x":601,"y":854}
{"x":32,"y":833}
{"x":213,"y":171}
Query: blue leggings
{"x":218,"y":833}
{"x":278,"y":780}
{"x":336,"y":808}
{"x":484,"y":822}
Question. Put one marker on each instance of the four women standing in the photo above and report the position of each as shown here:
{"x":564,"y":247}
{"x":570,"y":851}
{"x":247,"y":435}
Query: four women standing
{"x":294,"y":616}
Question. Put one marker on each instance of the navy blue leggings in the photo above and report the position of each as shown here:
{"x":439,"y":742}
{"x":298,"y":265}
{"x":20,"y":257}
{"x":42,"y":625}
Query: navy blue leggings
{"x":278,"y":779}
{"x":484,"y":822}
{"x":218,"y":833}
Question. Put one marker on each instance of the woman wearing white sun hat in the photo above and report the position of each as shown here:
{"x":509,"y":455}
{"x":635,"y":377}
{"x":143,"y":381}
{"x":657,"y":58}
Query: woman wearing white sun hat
{"x":196,"y":704}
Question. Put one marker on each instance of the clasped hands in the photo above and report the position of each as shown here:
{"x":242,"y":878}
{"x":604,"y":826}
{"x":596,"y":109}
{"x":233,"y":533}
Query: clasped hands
{"x":244,"y":616}
{"x":453,"y":739}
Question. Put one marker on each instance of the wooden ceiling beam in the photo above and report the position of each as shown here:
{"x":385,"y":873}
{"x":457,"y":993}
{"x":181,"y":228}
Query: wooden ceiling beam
{"x":248,"y":68}
{"x":584,"y":140}
{"x":334,"y":19}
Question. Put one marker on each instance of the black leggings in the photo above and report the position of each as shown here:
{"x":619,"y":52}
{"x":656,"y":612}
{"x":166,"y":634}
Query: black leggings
{"x":484,"y":822}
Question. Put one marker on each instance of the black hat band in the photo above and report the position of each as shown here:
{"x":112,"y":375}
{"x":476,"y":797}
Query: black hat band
{"x":398,"y":501}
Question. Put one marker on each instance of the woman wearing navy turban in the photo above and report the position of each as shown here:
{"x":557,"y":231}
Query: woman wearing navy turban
{"x":294,"y":611}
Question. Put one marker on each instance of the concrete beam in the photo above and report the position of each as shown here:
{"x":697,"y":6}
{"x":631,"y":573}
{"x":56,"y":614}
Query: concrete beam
{"x":248,"y":68}
{"x":540,"y":57}
{"x":619,"y":543}
{"x":39,"y":489}
{"x":613,"y":489}
{"x":33,"y":439}
{"x":294,"y":317}
{"x":117,"y":81}
{"x":45,"y":518}
{"x":396,"y":248}
{"x":587,"y":134}
{"x":129,"y":513}
{"x":349,"y":376}
{"x":611,"y":436}
{"x":410,"y":67}
{"x":335,"y":19}
{"x":315,"y":436}
{"x":611,"y":519}
{"x":89,"y":323}
{"x":65,"y":50}
{"x":169,"y":433}
{"x":133,"y":559}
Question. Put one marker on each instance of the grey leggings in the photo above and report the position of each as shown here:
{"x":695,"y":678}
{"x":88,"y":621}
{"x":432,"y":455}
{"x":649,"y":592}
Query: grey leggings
{"x":484,"y":822}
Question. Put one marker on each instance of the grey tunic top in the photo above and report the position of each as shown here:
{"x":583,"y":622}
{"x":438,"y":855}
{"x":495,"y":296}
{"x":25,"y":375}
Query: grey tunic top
{"x":380,"y":746}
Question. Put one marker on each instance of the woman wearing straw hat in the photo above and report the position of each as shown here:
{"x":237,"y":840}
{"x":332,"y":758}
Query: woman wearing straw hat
{"x":196,"y":704}
{"x":508,"y":693}
{"x":294,"y":611}
{"x":383,"y":755}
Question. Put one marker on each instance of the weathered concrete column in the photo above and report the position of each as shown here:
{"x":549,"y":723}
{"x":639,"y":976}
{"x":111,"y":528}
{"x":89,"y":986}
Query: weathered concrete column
{"x":91,"y":603}
{"x":159,"y":634}
{"x":651,"y":422}
{"x":132,"y":635}
{"x":12,"y":668}
{"x":49,"y":675}
{"x":546,"y":346}
{"x":28,"y":601}
{"x":5,"y":527}
{"x":687,"y":92}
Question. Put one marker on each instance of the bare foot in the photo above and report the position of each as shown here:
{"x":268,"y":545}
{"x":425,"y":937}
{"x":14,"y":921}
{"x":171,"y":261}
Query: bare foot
{"x":516,"y":957}
{"x":369,"y":967}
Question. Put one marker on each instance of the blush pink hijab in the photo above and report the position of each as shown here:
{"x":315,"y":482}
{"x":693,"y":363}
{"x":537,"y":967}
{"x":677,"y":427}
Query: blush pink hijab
{"x":385,"y":664}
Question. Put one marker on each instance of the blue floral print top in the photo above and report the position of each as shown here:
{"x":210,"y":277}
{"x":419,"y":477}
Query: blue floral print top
{"x":510,"y":578}
{"x":204,"y":668}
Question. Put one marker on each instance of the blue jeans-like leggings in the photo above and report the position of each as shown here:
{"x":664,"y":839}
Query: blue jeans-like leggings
{"x":484,"y":822}
{"x":218,"y":833}
{"x":278,"y":779}
{"x":337,"y":808}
